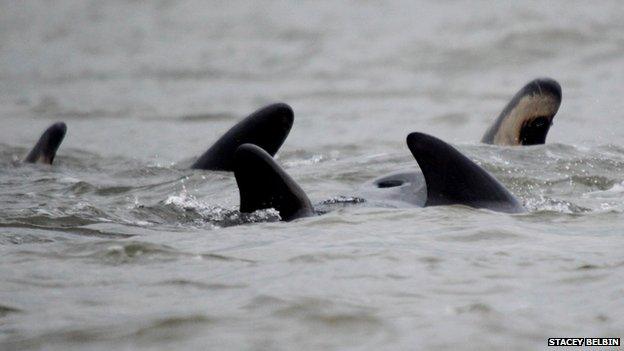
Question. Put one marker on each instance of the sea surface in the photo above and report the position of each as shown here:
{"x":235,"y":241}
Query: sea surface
{"x":119,"y":246}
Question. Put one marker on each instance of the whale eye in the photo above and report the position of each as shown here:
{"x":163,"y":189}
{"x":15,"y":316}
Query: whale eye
{"x":391,"y":183}
{"x":534,"y":131}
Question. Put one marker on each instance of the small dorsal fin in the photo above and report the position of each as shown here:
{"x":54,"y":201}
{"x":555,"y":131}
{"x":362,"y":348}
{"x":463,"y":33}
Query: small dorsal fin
{"x":452,"y":178}
{"x":49,"y":142}
{"x":267,"y":127}
{"x":263,"y":184}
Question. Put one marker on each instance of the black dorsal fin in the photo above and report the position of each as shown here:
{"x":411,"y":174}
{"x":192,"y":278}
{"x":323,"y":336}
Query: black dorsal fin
{"x":452,"y":178}
{"x":267,"y":127}
{"x":262,"y":184}
{"x":49,"y":142}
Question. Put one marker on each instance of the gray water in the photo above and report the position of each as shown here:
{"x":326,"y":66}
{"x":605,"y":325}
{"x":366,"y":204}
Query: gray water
{"x":119,"y":246}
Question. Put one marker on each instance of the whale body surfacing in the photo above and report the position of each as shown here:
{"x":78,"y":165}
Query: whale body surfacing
{"x":528,"y":116}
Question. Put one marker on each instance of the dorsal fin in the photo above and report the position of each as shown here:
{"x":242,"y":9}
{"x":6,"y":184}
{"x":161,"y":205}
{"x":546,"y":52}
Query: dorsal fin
{"x":526,"y":119}
{"x":262,"y":184}
{"x":452,"y":178}
{"x":49,"y":142}
{"x":267,"y":127}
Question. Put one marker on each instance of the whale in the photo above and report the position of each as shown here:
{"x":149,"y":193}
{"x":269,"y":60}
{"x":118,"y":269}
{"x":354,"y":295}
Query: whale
{"x":527,"y":118}
{"x":266,"y":128}
{"x":46,"y":147}
{"x":447,"y":177}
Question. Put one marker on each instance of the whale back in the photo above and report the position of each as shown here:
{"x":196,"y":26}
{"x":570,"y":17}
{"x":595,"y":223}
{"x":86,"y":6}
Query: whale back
{"x":398,"y":189}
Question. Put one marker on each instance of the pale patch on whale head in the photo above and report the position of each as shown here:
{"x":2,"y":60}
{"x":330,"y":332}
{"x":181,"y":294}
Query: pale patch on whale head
{"x":532,"y":111}
{"x":526,"y":119}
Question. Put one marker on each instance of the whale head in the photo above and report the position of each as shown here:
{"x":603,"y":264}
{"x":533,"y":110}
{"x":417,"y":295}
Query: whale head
{"x":45,"y":149}
{"x":527,"y":118}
